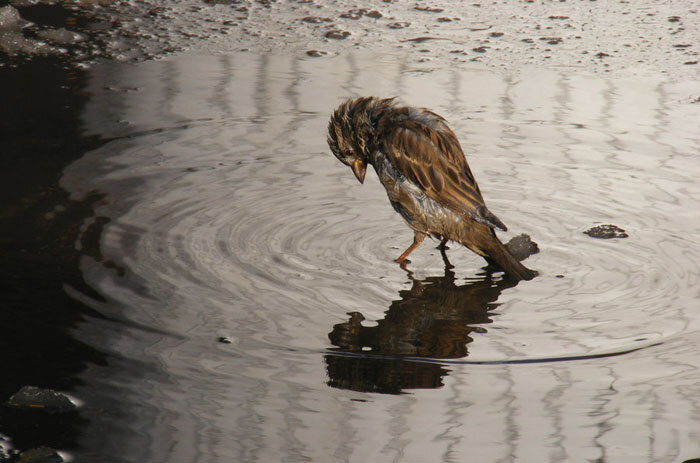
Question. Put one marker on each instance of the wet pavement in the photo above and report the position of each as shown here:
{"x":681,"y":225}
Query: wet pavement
{"x":618,"y":37}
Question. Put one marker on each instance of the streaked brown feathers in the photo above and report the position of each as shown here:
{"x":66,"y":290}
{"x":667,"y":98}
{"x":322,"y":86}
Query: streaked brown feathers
{"x":420,"y":163}
{"x":428,"y":153}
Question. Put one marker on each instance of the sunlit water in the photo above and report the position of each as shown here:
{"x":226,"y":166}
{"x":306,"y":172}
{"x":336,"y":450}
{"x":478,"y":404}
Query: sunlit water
{"x":224,"y":215}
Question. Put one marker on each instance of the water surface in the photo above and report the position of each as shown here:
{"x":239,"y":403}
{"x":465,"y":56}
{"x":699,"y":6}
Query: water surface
{"x":222,"y":216}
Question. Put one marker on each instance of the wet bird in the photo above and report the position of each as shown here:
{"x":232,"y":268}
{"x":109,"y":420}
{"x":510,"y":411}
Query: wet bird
{"x":420,"y":163}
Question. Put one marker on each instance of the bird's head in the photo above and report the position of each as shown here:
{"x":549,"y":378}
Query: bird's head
{"x":352,"y":133}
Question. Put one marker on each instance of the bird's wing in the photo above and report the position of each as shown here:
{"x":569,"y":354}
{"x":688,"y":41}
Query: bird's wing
{"x":430,"y":156}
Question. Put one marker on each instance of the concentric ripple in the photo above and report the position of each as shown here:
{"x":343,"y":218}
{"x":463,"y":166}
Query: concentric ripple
{"x":252,"y":305}
{"x":242,"y":215}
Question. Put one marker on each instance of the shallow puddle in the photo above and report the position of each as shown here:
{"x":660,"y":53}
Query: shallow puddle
{"x":252,"y":310}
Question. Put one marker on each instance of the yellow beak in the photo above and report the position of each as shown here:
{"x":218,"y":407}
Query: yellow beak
{"x":359,"y":168}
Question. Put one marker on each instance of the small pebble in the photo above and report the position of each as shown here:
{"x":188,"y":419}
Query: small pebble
{"x":337,"y":35}
{"x":428,"y":9}
{"x":315,"y":19}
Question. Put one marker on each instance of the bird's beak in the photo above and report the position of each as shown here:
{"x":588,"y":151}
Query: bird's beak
{"x":359,"y":168}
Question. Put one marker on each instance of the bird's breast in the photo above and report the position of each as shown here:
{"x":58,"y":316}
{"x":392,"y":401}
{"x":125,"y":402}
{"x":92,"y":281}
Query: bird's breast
{"x":422,"y":213}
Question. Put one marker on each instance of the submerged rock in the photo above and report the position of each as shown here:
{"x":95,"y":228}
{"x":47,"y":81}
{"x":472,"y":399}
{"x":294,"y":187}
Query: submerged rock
{"x":606,"y":231}
{"x":43,"y":399}
{"x":522,"y":246}
{"x":40,"y":455}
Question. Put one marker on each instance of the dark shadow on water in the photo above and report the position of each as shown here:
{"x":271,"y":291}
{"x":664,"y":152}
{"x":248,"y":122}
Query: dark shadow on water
{"x":434,"y":319}
{"x":41,"y":228}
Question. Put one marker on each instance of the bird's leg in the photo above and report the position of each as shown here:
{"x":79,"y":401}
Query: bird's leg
{"x":417,"y":240}
{"x":448,"y":265}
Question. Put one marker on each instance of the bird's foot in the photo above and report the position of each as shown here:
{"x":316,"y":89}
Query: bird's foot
{"x":402,"y":262}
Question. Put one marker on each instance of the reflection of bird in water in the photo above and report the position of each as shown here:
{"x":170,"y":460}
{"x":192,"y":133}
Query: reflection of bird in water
{"x":433,"y":320}
{"x":420,"y":163}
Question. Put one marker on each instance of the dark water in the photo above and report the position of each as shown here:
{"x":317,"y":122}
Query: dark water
{"x":195,"y":199}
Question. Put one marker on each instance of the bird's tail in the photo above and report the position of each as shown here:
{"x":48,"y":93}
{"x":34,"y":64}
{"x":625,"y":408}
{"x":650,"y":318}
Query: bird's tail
{"x":499,"y":256}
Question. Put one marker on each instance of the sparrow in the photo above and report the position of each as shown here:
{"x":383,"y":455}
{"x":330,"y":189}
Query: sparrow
{"x":420,"y":163}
